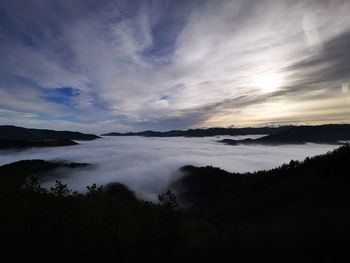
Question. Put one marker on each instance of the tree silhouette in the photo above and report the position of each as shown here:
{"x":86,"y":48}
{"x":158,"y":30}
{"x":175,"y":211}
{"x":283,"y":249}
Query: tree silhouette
{"x":34,"y":186}
{"x":94,"y":190}
{"x":60,"y":189}
{"x":168,"y":200}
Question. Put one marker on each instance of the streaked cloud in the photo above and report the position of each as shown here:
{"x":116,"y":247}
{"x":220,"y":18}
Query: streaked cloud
{"x":173,"y":64}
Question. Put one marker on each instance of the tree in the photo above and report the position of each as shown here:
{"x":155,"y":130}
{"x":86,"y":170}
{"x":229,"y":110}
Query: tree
{"x":60,"y":189}
{"x":34,"y":186}
{"x":168,"y":200}
{"x":94,"y":190}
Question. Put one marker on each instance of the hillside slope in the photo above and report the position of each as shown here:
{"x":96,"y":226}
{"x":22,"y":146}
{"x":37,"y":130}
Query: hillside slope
{"x":12,"y":137}
{"x":298,"y":212}
{"x":19,"y":133}
{"x":332,"y":133}
{"x":319,"y":181}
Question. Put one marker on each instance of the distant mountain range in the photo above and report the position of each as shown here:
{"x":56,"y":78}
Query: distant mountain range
{"x":12,"y":137}
{"x":204,"y":132}
{"x":332,"y":133}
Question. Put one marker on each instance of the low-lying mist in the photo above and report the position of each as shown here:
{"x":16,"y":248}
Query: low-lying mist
{"x":147,"y":165}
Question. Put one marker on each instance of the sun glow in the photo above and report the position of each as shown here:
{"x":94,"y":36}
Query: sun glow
{"x":268,"y":82}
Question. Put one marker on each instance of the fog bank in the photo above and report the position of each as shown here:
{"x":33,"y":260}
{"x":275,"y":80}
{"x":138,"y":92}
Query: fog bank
{"x":147,"y":165}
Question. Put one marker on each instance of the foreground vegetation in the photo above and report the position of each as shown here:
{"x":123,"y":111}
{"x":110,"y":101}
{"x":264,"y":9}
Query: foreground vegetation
{"x":295,"y":213}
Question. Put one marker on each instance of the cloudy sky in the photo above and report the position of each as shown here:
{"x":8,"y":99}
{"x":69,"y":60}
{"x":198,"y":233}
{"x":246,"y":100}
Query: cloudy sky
{"x":115,"y":65}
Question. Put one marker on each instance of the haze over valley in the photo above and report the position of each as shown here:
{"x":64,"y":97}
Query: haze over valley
{"x":147,"y":165}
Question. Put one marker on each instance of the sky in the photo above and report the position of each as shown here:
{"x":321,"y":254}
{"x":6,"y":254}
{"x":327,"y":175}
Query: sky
{"x":149,"y":165}
{"x":125,"y":65}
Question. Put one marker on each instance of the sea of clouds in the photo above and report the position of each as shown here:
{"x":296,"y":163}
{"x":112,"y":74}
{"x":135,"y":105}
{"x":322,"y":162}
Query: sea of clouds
{"x":147,"y":165}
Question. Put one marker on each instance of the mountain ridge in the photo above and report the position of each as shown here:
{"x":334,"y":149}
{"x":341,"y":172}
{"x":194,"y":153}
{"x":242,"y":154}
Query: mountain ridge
{"x":14,"y":137}
{"x":21,"y":133}
{"x":205,"y":132}
{"x":330,"y":133}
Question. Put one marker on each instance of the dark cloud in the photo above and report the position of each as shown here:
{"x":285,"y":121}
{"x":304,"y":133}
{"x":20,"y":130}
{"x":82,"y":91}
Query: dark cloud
{"x":332,"y":63}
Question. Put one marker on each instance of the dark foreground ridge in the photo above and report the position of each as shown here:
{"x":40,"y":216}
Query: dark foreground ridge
{"x":12,"y":137}
{"x":14,"y":175}
{"x":332,"y":134}
{"x":316,"y":182}
{"x":298,"y":212}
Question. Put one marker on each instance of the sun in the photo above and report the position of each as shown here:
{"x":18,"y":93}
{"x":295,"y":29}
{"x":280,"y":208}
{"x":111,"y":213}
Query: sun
{"x":268,"y":82}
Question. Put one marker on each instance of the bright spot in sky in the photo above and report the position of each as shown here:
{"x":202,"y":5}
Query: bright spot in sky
{"x":345,"y":87}
{"x":268,"y":82}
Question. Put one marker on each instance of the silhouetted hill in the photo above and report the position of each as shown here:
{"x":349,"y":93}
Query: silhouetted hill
{"x":315,"y":183}
{"x":12,"y":137}
{"x":14,"y":174}
{"x":203,"y":132}
{"x":298,"y":212}
{"x":118,"y":191}
{"x":332,"y":133}
{"x":18,"y":133}
{"x":316,"y":134}
{"x":20,"y":144}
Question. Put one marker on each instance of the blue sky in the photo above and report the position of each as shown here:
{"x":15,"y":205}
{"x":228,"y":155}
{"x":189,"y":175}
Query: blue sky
{"x":115,"y":65}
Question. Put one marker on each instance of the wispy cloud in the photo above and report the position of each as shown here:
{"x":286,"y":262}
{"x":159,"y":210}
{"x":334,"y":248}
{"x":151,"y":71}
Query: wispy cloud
{"x":174,"y":64}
